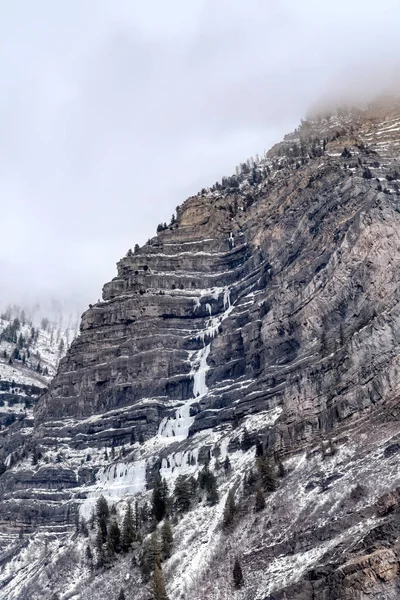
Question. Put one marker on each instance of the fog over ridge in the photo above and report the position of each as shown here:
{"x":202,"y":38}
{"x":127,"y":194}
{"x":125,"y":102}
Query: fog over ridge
{"x":114,"y":113}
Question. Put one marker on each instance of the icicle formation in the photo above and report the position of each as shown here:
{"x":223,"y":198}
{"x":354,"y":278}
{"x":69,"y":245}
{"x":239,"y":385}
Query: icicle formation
{"x":179,"y":425}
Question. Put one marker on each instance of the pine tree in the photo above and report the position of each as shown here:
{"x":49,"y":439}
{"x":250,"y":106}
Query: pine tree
{"x":167,"y":539}
{"x":227,"y":465}
{"x":266,"y":474}
{"x":230,"y":509}
{"x":92,"y":520}
{"x":281,"y":467}
{"x":100,"y":549}
{"x":259,"y":448}
{"x":159,"y":497}
{"x":151,"y":554}
{"x":145,"y":513}
{"x":83,"y":528}
{"x":159,"y":592}
{"x":99,"y":539}
{"x":237,"y":574}
{"x":102,"y":513}
{"x":89,"y":556}
{"x":260,"y":500}
{"x":137,"y":516}
{"x":128,"y":531}
{"x":183,"y":493}
{"x":36,"y":456}
{"x":208,"y":482}
{"x":246,"y":442}
{"x":77,"y":523}
{"x":113,"y":538}
{"x":21,"y":341}
{"x":212,"y":490}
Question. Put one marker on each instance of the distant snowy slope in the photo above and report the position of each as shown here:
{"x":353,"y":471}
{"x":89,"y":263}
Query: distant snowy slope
{"x":30,"y":350}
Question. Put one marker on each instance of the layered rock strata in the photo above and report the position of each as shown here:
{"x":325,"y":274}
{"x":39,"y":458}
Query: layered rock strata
{"x":271,"y":304}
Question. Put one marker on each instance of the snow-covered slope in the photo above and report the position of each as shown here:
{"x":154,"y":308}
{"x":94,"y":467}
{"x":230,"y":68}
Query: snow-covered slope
{"x":30,"y":350}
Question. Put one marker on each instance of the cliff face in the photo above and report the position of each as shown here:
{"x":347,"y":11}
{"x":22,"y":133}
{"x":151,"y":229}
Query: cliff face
{"x":272,"y":306}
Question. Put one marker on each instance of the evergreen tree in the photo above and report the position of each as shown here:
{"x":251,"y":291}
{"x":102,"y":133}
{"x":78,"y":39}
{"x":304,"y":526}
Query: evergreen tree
{"x":193,"y":486}
{"x":230,"y":509}
{"x":183,"y":493}
{"x":89,"y":556}
{"x":128,"y":531}
{"x":21,"y":341}
{"x":137,"y":516}
{"x":100,"y":549}
{"x":227,"y":465}
{"x":99,"y":539}
{"x":281,"y":467}
{"x":259,"y":448}
{"x":77,"y":523}
{"x":102,"y":510}
{"x":166,"y":539}
{"x":159,"y":497}
{"x":212,"y":490}
{"x":92,"y":520}
{"x":208,"y":482}
{"x":159,"y":592}
{"x":237,"y":574}
{"x":367,"y":173}
{"x":121,"y":595}
{"x":266,"y":474}
{"x":102,"y":513}
{"x":166,"y":496}
{"x":61,"y":347}
{"x":113,"y":538}
{"x":145,"y":513}
{"x":260,"y":500}
{"x":151,"y":554}
{"x":36,"y":455}
{"x":246,"y":442}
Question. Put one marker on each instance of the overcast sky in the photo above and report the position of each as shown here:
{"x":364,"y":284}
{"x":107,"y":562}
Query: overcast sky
{"x":112,"y":112}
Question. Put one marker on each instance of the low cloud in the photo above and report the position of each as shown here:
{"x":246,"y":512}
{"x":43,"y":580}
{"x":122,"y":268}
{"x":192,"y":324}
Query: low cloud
{"x":114,"y":113}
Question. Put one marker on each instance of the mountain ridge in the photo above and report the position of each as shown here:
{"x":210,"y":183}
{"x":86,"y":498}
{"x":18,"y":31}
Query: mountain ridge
{"x":269,"y":309}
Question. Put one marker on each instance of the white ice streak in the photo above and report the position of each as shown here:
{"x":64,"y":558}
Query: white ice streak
{"x":115,"y":482}
{"x":177,"y":427}
{"x":179,"y":463}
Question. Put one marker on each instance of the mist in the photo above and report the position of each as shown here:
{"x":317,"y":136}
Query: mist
{"x":113,"y":113}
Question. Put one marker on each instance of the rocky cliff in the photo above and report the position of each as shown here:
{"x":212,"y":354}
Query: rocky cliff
{"x":268,"y":309}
